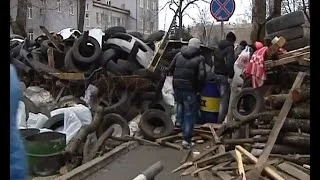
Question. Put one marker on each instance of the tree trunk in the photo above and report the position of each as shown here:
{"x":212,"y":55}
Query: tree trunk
{"x":295,"y":124}
{"x":19,"y":26}
{"x":258,"y":18}
{"x":180,"y":19}
{"x":82,"y":11}
{"x":276,"y":8}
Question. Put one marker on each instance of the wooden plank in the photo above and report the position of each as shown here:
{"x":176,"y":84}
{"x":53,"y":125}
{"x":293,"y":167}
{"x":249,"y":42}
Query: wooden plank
{"x":216,"y":159}
{"x":183,"y":166}
{"x":296,"y":51}
{"x":50,"y":57}
{"x":207,"y":175}
{"x":287,"y":60}
{"x":216,"y":139}
{"x":305,"y":170}
{"x":85,"y":170}
{"x":255,"y":173}
{"x":186,"y":156}
{"x":160,"y":140}
{"x":189,"y":171}
{"x":69,"y":76}
{"x":224,"y":176}
{"x":195,"y":173}
{"x":253,"y":159}
{"x":293,"y":171}
{"x":203,"y":154}
{"x":240,"y":165}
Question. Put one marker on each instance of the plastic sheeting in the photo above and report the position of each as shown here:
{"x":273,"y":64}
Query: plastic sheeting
{"x":74,"y":118}
{"x":38,"y":96}
{"x":167,"y":91}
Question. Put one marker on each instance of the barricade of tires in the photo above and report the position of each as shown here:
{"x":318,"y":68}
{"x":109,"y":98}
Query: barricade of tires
{"x":290,"y":27}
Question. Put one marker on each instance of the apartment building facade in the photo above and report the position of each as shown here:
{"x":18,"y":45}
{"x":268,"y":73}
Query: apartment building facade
{"x":134,"y":15}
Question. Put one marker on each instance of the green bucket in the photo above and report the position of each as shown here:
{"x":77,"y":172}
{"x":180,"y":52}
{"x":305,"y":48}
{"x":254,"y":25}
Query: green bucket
{"x":45,"y":143}
{"x":44,"y":152}
{"x":45,"y":165}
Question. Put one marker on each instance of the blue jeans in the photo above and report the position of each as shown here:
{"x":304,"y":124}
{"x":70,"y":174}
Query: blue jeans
{"x":186,"y":111}
{"x":224,"y":88}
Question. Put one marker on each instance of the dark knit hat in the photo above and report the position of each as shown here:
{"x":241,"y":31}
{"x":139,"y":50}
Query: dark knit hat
{"x":231,"y":37}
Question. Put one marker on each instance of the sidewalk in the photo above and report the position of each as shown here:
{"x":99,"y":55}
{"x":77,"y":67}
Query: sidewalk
{"x":131,"y":164}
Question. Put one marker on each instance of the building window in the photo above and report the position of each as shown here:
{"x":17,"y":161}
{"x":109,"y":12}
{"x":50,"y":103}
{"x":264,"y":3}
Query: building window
{"x":141,"y":24}
{"x":30,"y":35}
{"x":97,"y":19}
{"x":30,"y":12}
{"x":41,"y":11}
{"x":43,"y":2}
{"x":71,"y":8}
{"x":87,"y":7}
{"x":148,"y":4}
{"x":141,"y":3}
{"x":123,"y":6}
{"x":87,"y":20}
{"x":123,"y":22}
{"x":152,"y":26}
{"x":154,"y":5}
{"x":109,"y":21}
{"x":59,"y":5}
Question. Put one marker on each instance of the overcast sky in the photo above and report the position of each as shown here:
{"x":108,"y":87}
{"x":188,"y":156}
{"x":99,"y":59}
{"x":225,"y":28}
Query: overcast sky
{"x":166,"y":15}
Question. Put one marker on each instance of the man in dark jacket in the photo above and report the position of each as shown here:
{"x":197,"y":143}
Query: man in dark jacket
{"x":188,"y":69}
{"x":224,"y":59}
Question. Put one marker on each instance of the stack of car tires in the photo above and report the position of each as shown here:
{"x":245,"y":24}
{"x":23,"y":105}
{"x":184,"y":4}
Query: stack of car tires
{"x":290,"y":27}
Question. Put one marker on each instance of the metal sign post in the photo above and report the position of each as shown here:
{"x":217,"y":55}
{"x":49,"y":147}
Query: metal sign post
{"x":222,"y":10}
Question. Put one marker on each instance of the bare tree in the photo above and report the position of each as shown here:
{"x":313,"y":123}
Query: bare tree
{"x":82,"y":12}
{"x":184,"y":4}
{"x":258,"y":20}
{"x":203,"y":24}
{"x":19,"y":25}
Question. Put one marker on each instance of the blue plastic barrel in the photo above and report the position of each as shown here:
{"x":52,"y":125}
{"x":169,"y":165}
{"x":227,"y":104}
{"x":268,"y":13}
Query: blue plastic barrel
{"x":210,"y":102}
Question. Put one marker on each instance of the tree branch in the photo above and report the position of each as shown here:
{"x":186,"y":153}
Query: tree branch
{"x":305,"y":10}
{"x":189,"y":3}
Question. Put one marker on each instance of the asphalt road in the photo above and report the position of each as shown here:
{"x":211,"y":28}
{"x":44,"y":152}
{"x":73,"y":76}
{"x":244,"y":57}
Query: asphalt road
{"x":131,"y":164}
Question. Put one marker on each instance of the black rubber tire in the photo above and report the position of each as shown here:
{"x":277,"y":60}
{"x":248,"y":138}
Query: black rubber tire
{"x":108,"y":55}
{"x":111,"y":119}
{"x":54,"y":122}
{"x":68,"y":62}
{"x":115,"y":69}
{"x":156,"y":36}
{"x":289,"y":34}
{"x":128,"y":66}
{"x":297,"y":43}
{"x":284,"y":22}
{"x":76,"y":50}
{"x":15,"y":52}
{"x":257,"y":106}
{"x":151,"y":95}
{"x":155,"y":118}
{"x":112,"y":30}
{"x":119,"y":107}
{"x":16,"y":36}
{"x":137,"y":35}
{"x":160,"y":105}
